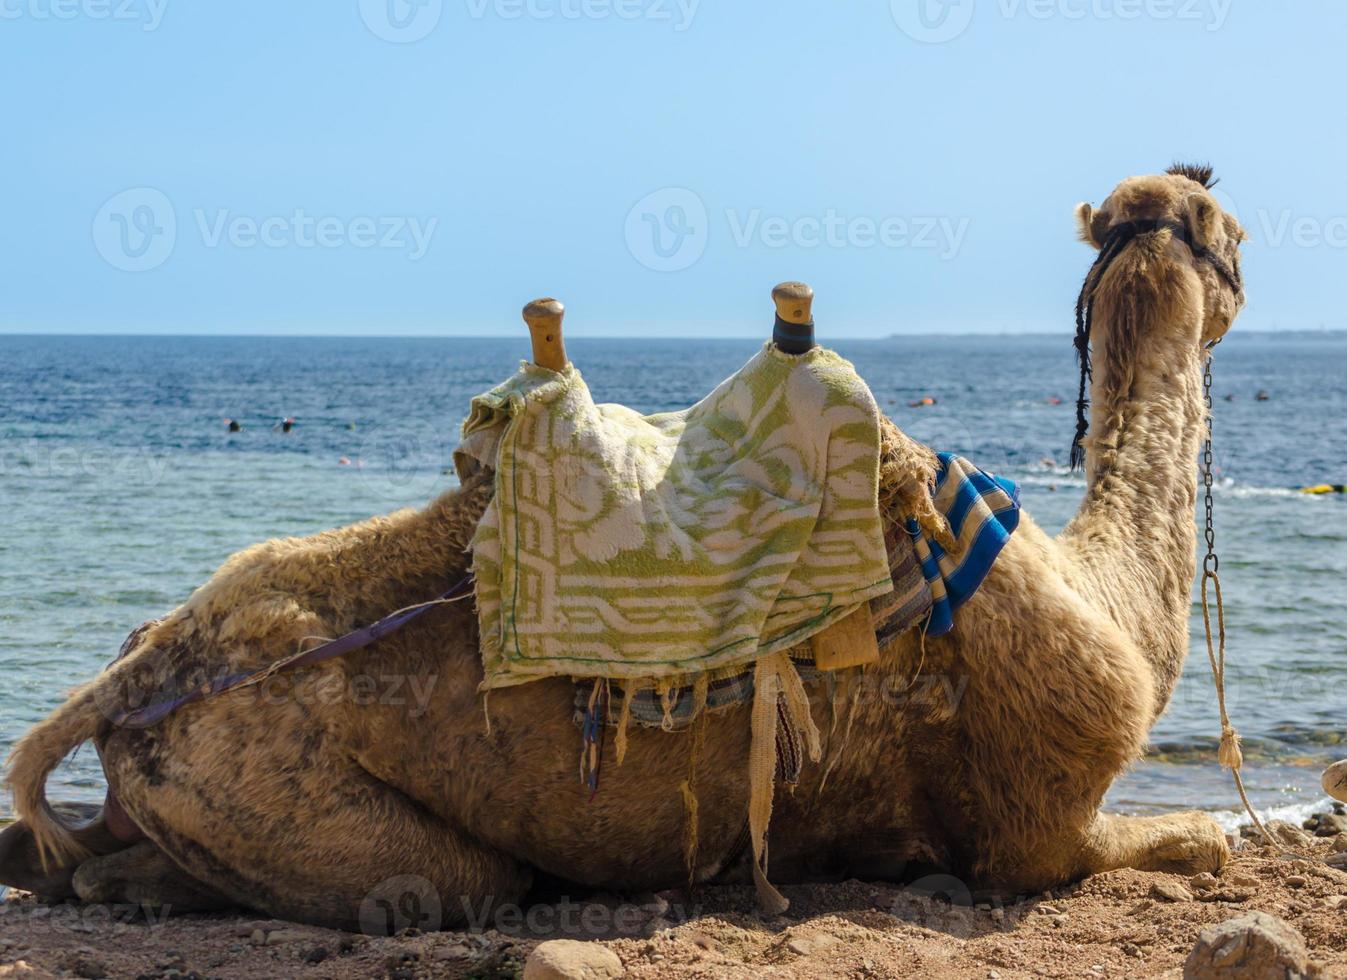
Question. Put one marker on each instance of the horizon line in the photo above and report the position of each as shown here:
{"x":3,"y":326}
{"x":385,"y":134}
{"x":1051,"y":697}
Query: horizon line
{"x":601,"y":336}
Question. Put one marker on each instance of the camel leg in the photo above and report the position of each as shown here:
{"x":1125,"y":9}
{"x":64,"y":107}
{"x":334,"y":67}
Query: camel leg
{"x":20,"y":866}
{"x":1181,"y":843}
{"x":144,"y":875}
{"x":297,"y":828}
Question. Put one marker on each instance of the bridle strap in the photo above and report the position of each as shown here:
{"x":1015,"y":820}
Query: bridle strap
{"x":1127,"y":230}
{"x":1118,"y":238}
{"x":163,"y":703}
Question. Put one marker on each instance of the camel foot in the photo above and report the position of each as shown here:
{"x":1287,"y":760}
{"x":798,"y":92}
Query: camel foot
{"x":1179,"y":843}
{"x":20,"y":866}
{"x":144,"y":875}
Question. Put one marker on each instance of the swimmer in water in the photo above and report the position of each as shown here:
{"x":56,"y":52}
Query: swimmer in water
{"x":233,"y":425}
{"x":922,"y":402}
{"x":285,"y":424}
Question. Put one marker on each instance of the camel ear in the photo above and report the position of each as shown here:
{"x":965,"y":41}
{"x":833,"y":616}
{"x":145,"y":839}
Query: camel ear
{"x":1085,"y":225}
{"x":1204,"y":219}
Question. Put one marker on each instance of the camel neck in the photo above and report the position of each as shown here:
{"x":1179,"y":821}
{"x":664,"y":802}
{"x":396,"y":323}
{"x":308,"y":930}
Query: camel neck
{"x":1133,"y":539}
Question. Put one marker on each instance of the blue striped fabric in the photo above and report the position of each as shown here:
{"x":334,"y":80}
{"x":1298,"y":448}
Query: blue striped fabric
{"x":982,"y":511}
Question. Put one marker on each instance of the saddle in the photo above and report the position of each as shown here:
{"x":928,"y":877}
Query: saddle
{"x":730,"y":553}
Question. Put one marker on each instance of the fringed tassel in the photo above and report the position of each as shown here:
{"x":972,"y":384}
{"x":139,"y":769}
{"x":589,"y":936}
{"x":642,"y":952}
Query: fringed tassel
{"x":591,"y":735}
{"x":1229,"y":754}
{"x":797,"y":707}
{"x":691,"y":838}
{"x":761,"y":775}
{"x":775,"y":684}
{"x":620,"y":743}
{"x":668,"y":697}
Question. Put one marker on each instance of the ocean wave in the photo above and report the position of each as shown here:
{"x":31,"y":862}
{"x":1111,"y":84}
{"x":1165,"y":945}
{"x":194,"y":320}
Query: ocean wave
{"x":1293,"y":813}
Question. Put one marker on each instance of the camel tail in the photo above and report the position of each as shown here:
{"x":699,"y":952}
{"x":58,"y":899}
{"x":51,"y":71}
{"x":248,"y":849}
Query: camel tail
{"x":32,"y":761}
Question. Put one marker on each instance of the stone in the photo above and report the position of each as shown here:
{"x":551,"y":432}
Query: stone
{"x":1170,"y":891}
{"x":1326,"y":824}
{"x":89,"y":968}
{"x":702,"y":941}
{"x":1282,"y":832}
{"x":1295,"y":881}
{"x":258,"y":937}
{"x":1240,"y":879}
{"x":1254,"y":944}
{"x":279,"y":936}
{"x":1204,"y":880}
{"x":812,"y":944}
{"x":569,"y":959}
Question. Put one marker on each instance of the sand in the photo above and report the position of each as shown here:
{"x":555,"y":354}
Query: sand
{"x":1119,"y":924}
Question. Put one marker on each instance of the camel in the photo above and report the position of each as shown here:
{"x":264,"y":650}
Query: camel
{"x":309,"y":805}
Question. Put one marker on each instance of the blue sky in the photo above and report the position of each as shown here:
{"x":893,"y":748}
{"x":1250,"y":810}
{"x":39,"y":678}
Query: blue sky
{"x":385,"y":167}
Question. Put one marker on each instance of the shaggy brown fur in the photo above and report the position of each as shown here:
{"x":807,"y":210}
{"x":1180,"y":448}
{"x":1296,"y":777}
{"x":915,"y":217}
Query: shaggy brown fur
{"x":991,"y":765}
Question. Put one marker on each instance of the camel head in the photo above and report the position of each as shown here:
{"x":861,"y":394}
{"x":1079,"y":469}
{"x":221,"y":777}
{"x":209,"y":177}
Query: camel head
{"x":1168,"y":262}
{"x":1202,"y":237}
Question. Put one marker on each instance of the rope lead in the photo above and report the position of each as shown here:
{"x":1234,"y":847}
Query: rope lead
{"x":1229,"y":754}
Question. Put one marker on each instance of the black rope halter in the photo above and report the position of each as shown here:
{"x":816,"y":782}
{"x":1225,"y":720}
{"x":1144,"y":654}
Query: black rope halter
{"x":1118,"y":238}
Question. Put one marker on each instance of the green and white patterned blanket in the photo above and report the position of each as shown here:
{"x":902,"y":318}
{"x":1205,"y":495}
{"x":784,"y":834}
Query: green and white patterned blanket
{"x":663,"y":546}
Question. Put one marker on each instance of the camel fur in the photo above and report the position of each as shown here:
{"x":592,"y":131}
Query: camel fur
{"x":303,"y":797}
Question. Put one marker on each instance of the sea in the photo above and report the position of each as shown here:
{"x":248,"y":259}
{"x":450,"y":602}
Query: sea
{"x":122,"y":489}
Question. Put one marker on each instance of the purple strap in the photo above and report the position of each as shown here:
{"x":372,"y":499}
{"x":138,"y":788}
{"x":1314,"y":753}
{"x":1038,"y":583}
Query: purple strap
{"x":161,"y":707}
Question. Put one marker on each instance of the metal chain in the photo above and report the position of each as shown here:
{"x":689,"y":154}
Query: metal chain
{"x":1211,"y":564}
{"x":1229,"y":754}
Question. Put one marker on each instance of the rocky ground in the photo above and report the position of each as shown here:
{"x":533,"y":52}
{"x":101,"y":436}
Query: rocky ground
{"x":1119,"y":924}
